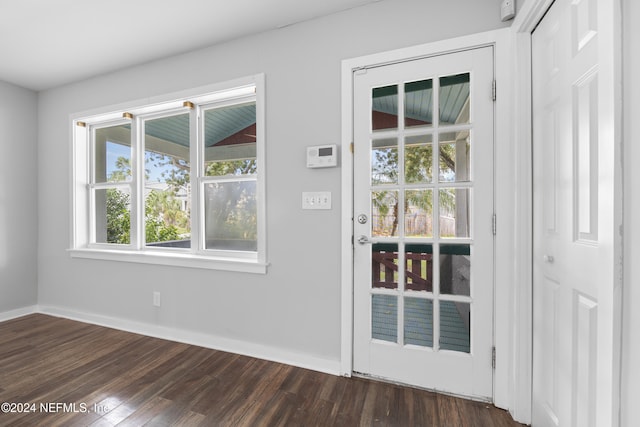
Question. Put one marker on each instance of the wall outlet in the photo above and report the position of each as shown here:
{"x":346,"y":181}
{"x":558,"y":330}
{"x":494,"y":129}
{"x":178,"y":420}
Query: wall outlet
{"x":156,"y":299}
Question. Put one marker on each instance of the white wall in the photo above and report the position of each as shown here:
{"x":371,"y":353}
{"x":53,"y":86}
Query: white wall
{"x":295,"y":307}
{"x":631,"y":292}
{"x":18,"y":201}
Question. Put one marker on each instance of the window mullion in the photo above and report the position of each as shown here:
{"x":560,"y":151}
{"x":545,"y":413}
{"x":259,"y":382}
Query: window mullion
{"x":137,"y":184}
{"x":196,"y":135}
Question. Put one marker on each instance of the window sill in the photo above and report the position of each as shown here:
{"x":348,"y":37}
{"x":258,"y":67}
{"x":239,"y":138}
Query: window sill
{"x":173,"y":259}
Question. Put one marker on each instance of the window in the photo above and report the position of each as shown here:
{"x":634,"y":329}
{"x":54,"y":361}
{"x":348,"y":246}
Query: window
{"x":178,"y":182}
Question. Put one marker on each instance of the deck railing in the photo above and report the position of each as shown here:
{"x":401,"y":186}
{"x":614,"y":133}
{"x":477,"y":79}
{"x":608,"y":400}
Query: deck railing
{"x":418,"y":271}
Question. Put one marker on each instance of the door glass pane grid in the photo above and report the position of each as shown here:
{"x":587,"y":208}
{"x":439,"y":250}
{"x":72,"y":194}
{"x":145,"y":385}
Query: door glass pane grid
{"x":418,"y":267}
{"x":418,"y":103}
{"x":418,"y":159}
{"x":455,"y":304}
{"x":384,"y":108}
{"x":454,"y":220}
{"x":455,"y":269}
{"x":454,"y":97}
{"x":418,"y":213}
{"x":451,"y":297}
{"x":384,"y":317}
{"x":385,"y":208}
{"x":384,"y":161}
{"x":384,"y":266}
{"x":403,"y":189}
{"x":455,"y":326}
{"x":384,"y":213}
{"x":454,"y":156}
{"x":418,"y":323}
{"x":386,"y":305}
{"x":452,"y":268}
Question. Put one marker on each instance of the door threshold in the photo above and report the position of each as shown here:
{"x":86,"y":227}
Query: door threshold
{"x":432,"y":390}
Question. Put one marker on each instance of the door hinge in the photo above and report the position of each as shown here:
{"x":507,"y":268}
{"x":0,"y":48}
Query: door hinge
{"x":351,"y":147}
{"x":493,"y":357}
{"x":493,"y":90}
{"x":494,"y":224}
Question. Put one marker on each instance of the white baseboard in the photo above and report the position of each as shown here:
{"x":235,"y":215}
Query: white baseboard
{"x":259,"y":351}
{"x":20,"y":312}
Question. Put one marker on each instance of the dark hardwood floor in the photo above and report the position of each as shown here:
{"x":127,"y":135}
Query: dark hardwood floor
{"x":61,"y":372}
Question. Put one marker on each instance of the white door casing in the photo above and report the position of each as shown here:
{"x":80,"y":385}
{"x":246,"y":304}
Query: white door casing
{"x":400,"y":356}
{"x":574,"y":345}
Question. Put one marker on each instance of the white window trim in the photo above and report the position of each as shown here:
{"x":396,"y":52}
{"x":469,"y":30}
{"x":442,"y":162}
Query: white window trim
{"x":80,"y":246}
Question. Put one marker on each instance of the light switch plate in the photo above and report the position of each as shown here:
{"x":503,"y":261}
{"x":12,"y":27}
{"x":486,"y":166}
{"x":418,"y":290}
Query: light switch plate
{"x":316,"y":200}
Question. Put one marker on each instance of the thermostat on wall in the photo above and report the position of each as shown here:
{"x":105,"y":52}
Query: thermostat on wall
{"x":322,"y":156}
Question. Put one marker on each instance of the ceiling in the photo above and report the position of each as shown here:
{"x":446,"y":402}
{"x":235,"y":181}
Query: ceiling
{"x":45,"y":43}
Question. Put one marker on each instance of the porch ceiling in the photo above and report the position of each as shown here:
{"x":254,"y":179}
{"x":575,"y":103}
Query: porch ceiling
{"x":454,"y":93}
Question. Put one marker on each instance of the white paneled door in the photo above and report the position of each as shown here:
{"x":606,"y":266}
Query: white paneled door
{"x":573,"y":217}
{"x":423,"y":204}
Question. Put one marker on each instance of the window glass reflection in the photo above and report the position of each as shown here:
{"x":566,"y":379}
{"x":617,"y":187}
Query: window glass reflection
{"x":384,"y":108}
{"x":418,"y":103}
{"x":454,"y":99}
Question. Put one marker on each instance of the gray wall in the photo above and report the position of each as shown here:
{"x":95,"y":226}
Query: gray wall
{"x":631,"y":292}
{"x":296,"y":305}
{"x":18,"y":201}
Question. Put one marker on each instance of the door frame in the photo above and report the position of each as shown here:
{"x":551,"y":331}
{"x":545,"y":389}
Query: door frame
{"x":504,"y":191}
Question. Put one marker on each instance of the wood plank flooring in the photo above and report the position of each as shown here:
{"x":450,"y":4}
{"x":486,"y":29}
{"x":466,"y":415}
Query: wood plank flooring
{"x":75,"y":374}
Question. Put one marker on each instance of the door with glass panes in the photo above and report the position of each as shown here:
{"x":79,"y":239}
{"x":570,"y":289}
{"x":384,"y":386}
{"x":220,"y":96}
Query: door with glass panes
{"x":423,"y":221}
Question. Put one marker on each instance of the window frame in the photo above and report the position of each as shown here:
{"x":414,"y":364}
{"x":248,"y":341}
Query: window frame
{"x":83,"y":185}
{"x":93,"y":186}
